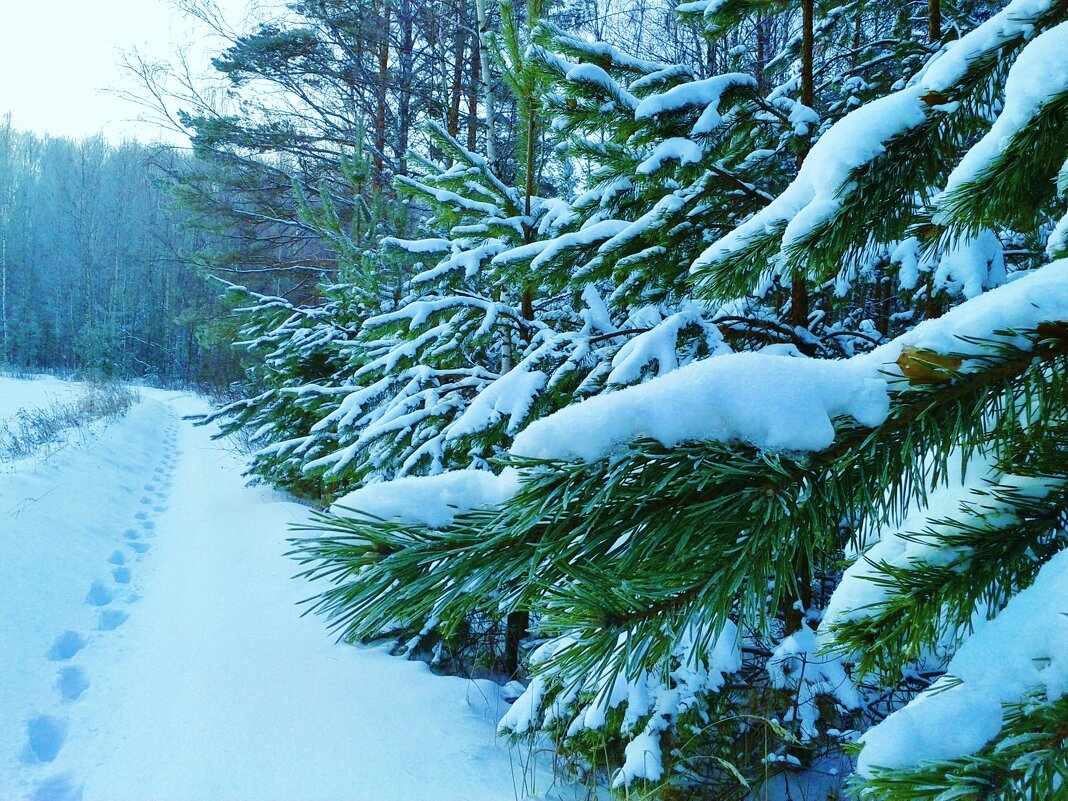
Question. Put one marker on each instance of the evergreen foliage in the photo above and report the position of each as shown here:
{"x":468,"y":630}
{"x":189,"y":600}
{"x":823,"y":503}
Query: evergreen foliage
{"x":677,"y":569}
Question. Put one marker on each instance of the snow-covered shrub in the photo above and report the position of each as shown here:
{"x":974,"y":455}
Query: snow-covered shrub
{"x":30,"y":430}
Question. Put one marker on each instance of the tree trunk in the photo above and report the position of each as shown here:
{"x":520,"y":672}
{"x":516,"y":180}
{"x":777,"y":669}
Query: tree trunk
{"x":472,"y":99}
{"x":795,"y":612}
{"x":528,"y":191}
{"x":808,"y":46}
{"x":515,"y":630}
{"x":799,"y":303}
{"x":459,"y":46}
{"x":378,"y":178}
{"x":5,"y":353}
{"x":934,"y":21}
{"x":761,"y":52}
{"x":404,"y":101}
{"x":487,"y":86}
{"x":798,"y":290}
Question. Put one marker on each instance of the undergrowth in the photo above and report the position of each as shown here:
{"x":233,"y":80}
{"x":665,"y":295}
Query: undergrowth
{"x":31,"y":430}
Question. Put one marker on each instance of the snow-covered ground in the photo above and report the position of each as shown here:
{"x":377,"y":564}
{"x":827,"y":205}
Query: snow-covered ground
{"x":34,"y":394}
{"x":151,"y":645}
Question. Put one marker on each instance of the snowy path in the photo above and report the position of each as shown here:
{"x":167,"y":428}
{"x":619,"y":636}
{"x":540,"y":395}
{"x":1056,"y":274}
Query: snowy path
{"x":151,"y":647}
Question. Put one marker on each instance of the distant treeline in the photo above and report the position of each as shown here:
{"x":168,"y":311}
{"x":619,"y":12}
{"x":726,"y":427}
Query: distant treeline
{"x":92,"y":273}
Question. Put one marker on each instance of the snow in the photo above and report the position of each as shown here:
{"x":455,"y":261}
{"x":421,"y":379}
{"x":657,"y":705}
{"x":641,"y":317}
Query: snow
{"x":706,"y":7}
{"x":429,"y":245}
{"x":971,"y":265}
{"x":705,"y":94}
{"x":966,"y":267}
{"x":1015,"y":19}
{"x":543,"y":252}
{"x":587,"y":699}
{"x":591,"y":73}
{"x":429,"y":500}
{"x":1023,"y":649}
{"x":660,"y":344}
{"x":780,"y":402}
{"x":1057,"y":244}
{"x":509,"y":396}
{"x":37,"y":393}
{"x":796,"y":665}
{"x":770,"y":401}
{"x":1039,"y":74}
{"x":818,"y":191}
{"x":856,"y":595}
{"x":685,"y":151}
{"x":602,"y":51}
{"x":469,"y":259}
{"x":814,"y":196}
{"x":153,"y":646}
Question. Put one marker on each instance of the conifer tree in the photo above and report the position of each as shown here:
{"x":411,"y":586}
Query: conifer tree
{"x":299,"y":350}
{"x":657,"y":531}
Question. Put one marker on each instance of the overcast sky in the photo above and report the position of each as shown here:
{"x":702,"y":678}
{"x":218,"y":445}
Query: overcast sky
{"x":57,"y":58}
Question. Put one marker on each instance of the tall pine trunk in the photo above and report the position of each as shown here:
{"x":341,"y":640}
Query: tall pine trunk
{"x":406,"y":79}
{"x":799,"y":306}
{"x":931,"y":306}
{"x":472,"y":99}
{"x":380,"y":96}
{"x":459,"y":46}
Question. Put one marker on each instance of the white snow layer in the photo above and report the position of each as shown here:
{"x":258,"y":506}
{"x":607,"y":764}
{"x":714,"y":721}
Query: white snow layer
{"x":771,"y":401}
{"x":152,"y":644}
{"x":862,"y":135}
{"x":949,"y":66}
{"x":857,"y":595}
{"x":813,"y":196}
{"x":797,"y":665}
{"x":704,"y":94}
{"x":966,"y":267}
{"x":780,"y":402}
{"x":1023,"y":649}
{"x":677,"y":148}
{"x":1039,"y":73}
{"x":39,"y":392}
{"x":429,"y":500}
{"x":646,"y":695}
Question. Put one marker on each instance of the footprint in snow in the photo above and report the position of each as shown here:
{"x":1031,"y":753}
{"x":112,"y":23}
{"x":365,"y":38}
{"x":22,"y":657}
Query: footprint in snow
{"x":121,"y":575}
{"x":138,"y":547}
{"x":99,"y":595}
{"x":58,"y":788}
{"x":45,"y":736}
{"x":111,"y":619}
{"x":117,"y":558}
{"x":65,"y":646}
{"x":146,"y":500}
{"x":132,"y":534}
{"x":150,"y":487}
{"x":148,"y":525}
{"x":72,"y":683}
{"x":141,"y":515}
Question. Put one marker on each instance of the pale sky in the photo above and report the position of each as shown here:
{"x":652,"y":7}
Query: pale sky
{"x":57,"y":58}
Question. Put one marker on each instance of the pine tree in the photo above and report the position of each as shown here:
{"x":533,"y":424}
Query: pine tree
{"x":298,"y":352}
{"x":660,"y":531}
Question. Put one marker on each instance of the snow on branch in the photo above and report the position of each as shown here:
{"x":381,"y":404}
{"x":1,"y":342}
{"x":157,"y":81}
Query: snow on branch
{"x":780,"y":402}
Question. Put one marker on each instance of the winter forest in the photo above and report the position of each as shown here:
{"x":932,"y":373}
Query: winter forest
{"x":574,"y":399}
